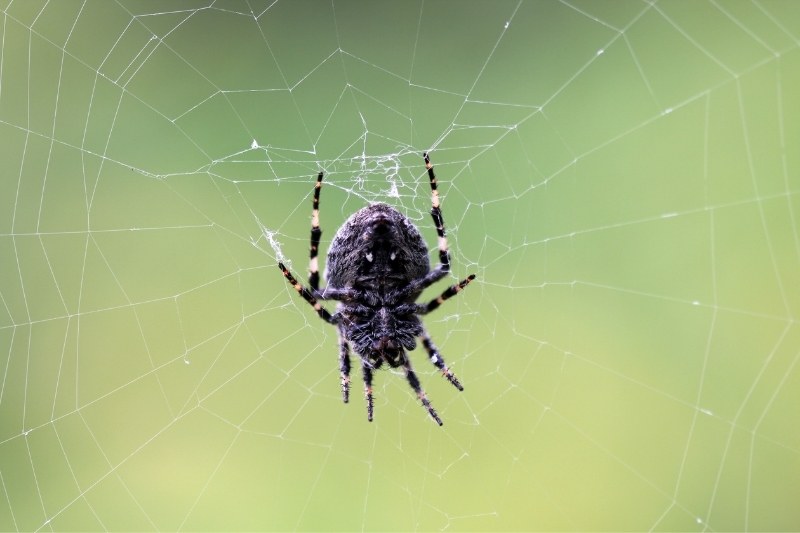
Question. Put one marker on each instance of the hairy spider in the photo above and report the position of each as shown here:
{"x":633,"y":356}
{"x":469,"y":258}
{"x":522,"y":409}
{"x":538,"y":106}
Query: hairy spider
{"x":376,"y":268}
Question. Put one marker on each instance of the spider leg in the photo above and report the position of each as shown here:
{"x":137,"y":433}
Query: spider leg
{"x":309,"y":297}
{"x":443,"y":267}
{"x":438,"y":220}
{"x":449,"y":292}
{"x":333,"y":293}
{"x":367,"y":370}
{"x":344,"y":365}
{"x":437,"y":360}
{"x":316,"y":233}
{"x":413,"y":380}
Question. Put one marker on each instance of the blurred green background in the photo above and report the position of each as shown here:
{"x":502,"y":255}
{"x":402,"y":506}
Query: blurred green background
{"x":621,"y":176}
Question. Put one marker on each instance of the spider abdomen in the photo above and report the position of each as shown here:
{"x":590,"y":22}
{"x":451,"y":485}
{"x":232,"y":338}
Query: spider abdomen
{"x":376,"y":249}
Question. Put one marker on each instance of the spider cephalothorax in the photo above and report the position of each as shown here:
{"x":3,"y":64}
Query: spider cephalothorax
{"x":376,"y":268}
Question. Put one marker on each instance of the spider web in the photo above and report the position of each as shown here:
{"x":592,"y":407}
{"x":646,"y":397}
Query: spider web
{"x":622,"y":178}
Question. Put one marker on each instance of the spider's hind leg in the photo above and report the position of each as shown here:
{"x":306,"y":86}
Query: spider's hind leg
{"x":443,"y":268}
{"x":316,"y":233}
{"x":438,"y":219}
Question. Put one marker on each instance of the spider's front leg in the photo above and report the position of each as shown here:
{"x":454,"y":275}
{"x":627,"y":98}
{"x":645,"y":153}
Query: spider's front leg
{"x":413,"y":380}
{"x":366,"y":368}
{"x":438,"y":362}
{"x":344,"y":364}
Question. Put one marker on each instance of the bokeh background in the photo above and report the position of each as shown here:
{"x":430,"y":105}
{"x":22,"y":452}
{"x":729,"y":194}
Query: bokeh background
{"x":621,"y":176}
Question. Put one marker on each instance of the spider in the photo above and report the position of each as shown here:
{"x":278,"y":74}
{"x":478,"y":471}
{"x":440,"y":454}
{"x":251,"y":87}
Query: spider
{"x":376,"y":268}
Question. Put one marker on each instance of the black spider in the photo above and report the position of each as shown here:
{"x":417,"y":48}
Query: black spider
{"x":376,"y":268}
